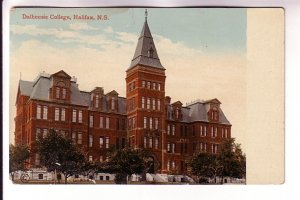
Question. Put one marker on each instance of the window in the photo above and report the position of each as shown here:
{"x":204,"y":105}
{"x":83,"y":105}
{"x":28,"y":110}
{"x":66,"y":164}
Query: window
{"x":169,"y":147}
{"x":101,"y":142}
{"x":150,"y":142}
{"x":226,"y":133}
{"x":41,"y":176}
{"x":177,"y":113}
{"x":168,"y":165}
{"x":63,"y":114}
{"x":107,"y":122}
{"x":173,"y":129}
{"x":143,"y":102}
{"x":150,"y":122}
{"x":148,"y":103}
{"x":45,"y":112}
{"x":173,"y":164}
{"x":57,"y":92}
{"x":91,"y":158}
{"x":130,"y":124}
{"x":212,"y":132}
{"x":156,"y":123}
{"x":154,"y":86}
{"x":168,"y":129}
{"x":101,"y":159}
{"x":173,"y":147}
{"x":153,"y":104}
{"x":148,"y":84}
{"x":79,"y":138}
{"x":80,"y":116}
{"x":145,"y":142}
{"x":216,"y":132}
{"x":38,"y":133}
{"x":97,"y":101}
{"x":143,"y":84}
{"x":214,"y":148}
{"x":123,"y":124}
{"x":113,"y":103}
{"x":158,"y":104}
{"x":107,"y":142}
{"x":158,"y":86}
{"x":101,"y":122}
{"x":56,"y":118}
{"x":74,"y":137}
{"x":145,"y":122}
{"x":64,"y":92}
{"x":74,"y":116}
{"x":203,"y":131}
{"x":156,"y":143}
{"x":90,"y":141}
{"x":133,"y":122}
{"x":91,"y":120}
{"x":45,"y":132}
{"x":38,"y":112}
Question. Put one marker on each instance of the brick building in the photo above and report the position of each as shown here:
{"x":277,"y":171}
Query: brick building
{"x":146,"y":118}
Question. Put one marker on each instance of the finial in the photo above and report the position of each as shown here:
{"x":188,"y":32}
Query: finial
{"x":146,"y":14}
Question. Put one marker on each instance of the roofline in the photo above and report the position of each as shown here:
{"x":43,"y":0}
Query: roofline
{"x":130,"y":68}
{"x":103,"y":95}
{"x":56,"y":102}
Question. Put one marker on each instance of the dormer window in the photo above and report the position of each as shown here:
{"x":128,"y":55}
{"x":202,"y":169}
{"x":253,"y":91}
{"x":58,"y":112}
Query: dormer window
{"x":57,"y":92}
{"x":215,"y":114}
{"x":150,"y":53}
{"x":113,"y":103}
{"x":177,"y":113}
{"x":97,"y":101}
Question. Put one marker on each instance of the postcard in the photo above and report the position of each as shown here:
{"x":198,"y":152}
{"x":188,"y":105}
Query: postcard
{"x":168,"y":96}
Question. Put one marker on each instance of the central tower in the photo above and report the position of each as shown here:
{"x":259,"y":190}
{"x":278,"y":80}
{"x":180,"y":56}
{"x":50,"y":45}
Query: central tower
{"x":145,"y":97}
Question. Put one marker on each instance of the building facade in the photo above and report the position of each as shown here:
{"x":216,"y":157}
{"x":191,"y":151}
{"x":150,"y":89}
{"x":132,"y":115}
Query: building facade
{"x":146,"y":118}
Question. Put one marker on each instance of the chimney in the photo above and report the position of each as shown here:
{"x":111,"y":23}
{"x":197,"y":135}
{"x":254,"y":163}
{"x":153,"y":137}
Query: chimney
{"x":168,"y":100}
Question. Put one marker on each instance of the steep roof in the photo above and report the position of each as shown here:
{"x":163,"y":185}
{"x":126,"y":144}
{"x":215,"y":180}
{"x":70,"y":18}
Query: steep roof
{"x":198,"y":112}
{"x":145,"y":52}
{"x":39,"y":89}
{"x":25,"y":87}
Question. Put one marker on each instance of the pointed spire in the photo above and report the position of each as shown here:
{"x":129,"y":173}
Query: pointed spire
{"x":146,"y":14}
{"x":145,"y":53}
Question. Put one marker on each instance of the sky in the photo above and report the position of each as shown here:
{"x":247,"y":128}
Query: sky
{"x":203,"y":51}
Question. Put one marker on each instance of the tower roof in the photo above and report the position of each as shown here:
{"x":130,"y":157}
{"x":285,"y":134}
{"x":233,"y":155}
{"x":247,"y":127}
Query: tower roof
{"x":145,"y":52}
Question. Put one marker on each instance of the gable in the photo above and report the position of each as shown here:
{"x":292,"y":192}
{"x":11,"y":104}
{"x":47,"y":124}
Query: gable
{"x":213,"y":101}
{"x":112,"y":93}
{"x":62,"y":74}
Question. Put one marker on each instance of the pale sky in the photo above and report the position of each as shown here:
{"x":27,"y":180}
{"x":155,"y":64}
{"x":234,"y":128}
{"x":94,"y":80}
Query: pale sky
{"x":203,"y":51}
